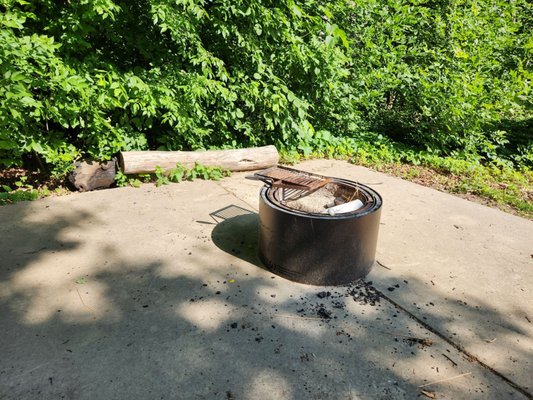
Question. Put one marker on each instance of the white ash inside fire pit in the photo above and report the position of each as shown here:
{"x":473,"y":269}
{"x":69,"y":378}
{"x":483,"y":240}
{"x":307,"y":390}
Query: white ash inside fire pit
{"x":318,"y":202}
{"x":315,"y":203}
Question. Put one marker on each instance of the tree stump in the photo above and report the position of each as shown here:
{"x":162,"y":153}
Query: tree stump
{"x":91,"y":175}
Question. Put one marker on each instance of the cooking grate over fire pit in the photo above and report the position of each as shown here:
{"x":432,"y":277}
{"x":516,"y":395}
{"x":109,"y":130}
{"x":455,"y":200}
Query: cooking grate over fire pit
{"x":316,"y":246}
{"x":293,"y":183}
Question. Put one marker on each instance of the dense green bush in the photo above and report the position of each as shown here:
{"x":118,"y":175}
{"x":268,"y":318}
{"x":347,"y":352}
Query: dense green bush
{"x":91,"y":78}
{"x":443,"y":75}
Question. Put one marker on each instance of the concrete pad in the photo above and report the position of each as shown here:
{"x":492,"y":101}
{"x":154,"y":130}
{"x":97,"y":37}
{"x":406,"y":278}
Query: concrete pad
{"x":158,"y":293}
{"x":469,"y":267}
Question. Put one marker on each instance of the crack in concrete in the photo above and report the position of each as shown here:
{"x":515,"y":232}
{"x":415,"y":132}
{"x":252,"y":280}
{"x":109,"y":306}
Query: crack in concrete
{"x":458,"y":347}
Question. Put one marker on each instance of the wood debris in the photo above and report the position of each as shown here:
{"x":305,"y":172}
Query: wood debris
{"x":431,"y":395}
{"x":445,"y":379}
{"x":421,"y":342}
{"x":453,"y":362}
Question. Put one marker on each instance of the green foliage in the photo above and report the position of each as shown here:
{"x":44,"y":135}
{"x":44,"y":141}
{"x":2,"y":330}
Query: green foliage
{"x":12,"y":196}
{"x":443,"y":76}
{"x":91,"y":78}
{"x":161,"y":177}
{"x":175,"y":175}
{"x":203,"y":172}
{"x":122,"y":180}
{"x":21,"y":190}
{"x":96,"y":77}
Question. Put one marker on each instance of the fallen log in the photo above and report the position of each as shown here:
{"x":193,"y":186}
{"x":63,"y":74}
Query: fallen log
{"x":91,"y":175}
{"x":145,"y":162}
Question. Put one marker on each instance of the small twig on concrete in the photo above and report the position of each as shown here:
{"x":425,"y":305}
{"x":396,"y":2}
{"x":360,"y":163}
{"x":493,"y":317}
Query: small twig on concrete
{"x":528,"y":320}
{"x":424,"y":342}
{"x":453,"y":362}
{"x":446,"y":379}
{"x":412,"y":339}
{"x":382,"y":265}
{"x":295,"y":316}
{"x":431,"y":395}
{"x":490,"y":340}
{"x":82,"y":302}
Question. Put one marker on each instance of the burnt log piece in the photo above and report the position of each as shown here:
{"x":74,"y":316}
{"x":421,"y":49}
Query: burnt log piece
{"x":145,"y":162}
{"x":91,"y":175}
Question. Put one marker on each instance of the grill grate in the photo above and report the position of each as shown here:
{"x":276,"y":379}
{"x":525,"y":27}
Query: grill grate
{"x":294,"y":184}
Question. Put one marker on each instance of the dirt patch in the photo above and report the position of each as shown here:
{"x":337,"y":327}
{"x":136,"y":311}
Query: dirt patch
{"x":17,"y":177}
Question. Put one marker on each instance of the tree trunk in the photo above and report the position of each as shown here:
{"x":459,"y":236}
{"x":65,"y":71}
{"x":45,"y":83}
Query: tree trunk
{"x":145,"y":162}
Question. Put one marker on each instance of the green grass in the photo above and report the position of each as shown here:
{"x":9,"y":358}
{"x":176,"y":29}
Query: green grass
{"x":495,"y":184}
{"x":501,"y":186}
{"x":18,"y":195}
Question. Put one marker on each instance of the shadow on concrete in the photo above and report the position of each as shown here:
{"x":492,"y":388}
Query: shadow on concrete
{"x":237,"y":232}
{"x":134,"y":331}
{"x":24,"y":243}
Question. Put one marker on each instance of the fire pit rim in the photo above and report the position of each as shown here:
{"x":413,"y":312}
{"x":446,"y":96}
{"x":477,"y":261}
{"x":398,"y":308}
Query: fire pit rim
{"x":375,"y":197}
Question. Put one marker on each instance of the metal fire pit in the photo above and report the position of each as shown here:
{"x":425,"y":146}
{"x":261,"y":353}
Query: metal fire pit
{"x":316,"y":248}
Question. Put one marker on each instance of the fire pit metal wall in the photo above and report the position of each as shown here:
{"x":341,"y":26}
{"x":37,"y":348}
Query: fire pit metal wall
{"x":319,"y":249}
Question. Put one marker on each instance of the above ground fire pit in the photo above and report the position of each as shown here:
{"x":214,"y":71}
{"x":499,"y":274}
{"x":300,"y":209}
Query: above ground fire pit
{"x":315,"y":229}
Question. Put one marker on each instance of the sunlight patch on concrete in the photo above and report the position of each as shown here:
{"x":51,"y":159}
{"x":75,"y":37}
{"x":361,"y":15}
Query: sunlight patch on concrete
{"x":269,"y":384}
{"x":208,"y":315}
{"x":312,"y":327}
{"x":48,"y":294}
